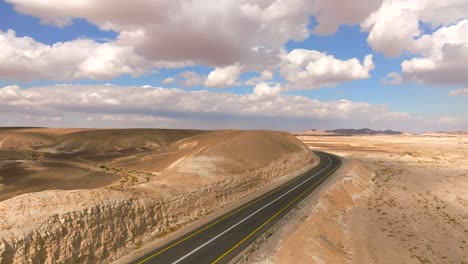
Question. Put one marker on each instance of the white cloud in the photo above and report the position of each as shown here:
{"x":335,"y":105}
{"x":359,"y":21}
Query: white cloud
{"x":138,"y":106}
{"x":191,"y":78}
{"x":449,"y":120}
{"x":330,"y":14}
{"x":232,"y":33}
{"x":393,"y":78}
{"x":264,"y":76}
{"x":116,"y":120}
{"x":251,"y":33}
{"x":312,"y":69}
{"x":220,"y":33}
{"x":395,"y":27}
{"x":168,"y":80}
{"x":444,"y":57}
{"x":447,"y":123}
{"x":459,"y":92}
{"x":264,"y":89}
{"x":441,"y":57}
{"x":222,"y":77}
{"x":22,"y":58}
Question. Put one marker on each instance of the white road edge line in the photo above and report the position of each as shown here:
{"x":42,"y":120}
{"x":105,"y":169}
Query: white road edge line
{"x":254,"y":213}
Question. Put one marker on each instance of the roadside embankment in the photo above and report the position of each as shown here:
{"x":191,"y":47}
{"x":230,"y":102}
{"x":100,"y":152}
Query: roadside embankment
{"x":99,"y":225}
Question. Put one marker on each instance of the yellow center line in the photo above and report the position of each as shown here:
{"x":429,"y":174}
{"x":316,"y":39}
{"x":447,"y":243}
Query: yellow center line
{"x":212,"y":224}
{"x":271,"y":218}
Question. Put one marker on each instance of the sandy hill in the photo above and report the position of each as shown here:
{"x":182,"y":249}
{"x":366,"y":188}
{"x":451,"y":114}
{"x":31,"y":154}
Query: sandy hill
{"x":216,"y":151}
{"x":36,"y":159}
{"x":111,"y":190}
{"x":30,"y":137}
{"x":250,"y":149}
{"x":14,"y":139}
{"x":104,"y":140}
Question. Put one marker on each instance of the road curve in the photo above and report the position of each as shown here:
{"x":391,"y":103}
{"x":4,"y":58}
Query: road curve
{"x":222,"y":239}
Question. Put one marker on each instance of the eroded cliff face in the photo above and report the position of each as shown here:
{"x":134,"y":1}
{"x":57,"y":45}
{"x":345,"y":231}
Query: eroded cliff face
{"x":89,"y":226}
{"x":319,"y":231}
{"x":324,"y":235}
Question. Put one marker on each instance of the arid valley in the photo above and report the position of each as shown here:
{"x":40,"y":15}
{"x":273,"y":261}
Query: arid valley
{"x":233,"y":132}
{"x":72,"y":195}
{"x":396,"y":199}
{"x":94,"y":195}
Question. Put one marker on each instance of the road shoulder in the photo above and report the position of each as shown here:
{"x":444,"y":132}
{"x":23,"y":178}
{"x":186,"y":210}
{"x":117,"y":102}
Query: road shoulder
{"x":151,"y":245}
{"x":315,"y":230}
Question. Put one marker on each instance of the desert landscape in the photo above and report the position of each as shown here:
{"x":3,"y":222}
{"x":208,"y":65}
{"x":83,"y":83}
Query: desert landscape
{"x":226,"y":132}
{"x":396,"y":199}
{"x":67,"y":194}
{"x":94,"y":195}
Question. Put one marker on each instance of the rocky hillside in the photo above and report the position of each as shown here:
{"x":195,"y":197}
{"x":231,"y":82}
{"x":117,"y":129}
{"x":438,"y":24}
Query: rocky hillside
{"x":195,"y":174}
{"x":104,"y":140}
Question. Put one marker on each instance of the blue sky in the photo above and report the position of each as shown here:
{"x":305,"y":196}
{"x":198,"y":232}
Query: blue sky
{"x":413,"y":95}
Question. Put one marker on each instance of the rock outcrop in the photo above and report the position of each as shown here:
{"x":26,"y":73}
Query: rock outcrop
{"x":92,"y":226}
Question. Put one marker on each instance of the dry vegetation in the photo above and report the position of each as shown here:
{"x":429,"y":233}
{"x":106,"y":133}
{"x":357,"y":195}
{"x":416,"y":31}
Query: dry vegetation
{"x":397,"y":199}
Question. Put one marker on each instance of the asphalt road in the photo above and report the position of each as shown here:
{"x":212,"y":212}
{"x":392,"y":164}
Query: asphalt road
{"x":222,"y":239}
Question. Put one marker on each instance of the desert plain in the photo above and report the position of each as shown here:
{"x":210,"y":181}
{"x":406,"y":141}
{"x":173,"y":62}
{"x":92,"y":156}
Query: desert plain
{"x":88,"y":196}
{"x":396,"y":199}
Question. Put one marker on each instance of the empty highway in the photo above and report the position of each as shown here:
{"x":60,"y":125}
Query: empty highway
{"x":222,"y":239}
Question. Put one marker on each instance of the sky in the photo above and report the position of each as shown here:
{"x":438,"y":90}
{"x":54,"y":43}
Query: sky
{"x":235,"y":64}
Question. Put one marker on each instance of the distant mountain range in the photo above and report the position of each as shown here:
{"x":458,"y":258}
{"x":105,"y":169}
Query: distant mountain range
{"x":348,"y":132}
{"x":364,"y":131}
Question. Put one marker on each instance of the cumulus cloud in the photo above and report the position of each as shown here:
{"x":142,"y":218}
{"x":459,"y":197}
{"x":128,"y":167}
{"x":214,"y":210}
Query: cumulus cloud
{"x":444,"y":57}
{"x":233,"y":36}
{"x":407,"y":16}
{"x":127,"y":106}
{"x":168,"y":80}
{"x":312,"y":69}
{"x":330,"y":14}
{"x":441,"y":56}
{"x":265,"y":89}
{"x":459,"y":92}
{"x":393,"y":78}
{"x":264,"y":76}
{"x":191,"y":78}
{"x":222,"y":77}
{"x":229,"y":31}
{"x":393,"y":27}
{"x":23,"y":58}
{"x":140,"y":121}
{"x":449,"y":120}
{"x":449,"y":123}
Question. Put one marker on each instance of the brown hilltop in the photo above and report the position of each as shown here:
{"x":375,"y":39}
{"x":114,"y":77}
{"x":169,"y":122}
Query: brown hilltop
{"x":103,"y":140}
{"x":37,"y":159}
{"x":233,"y":151}
{"x":147,"y":182}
